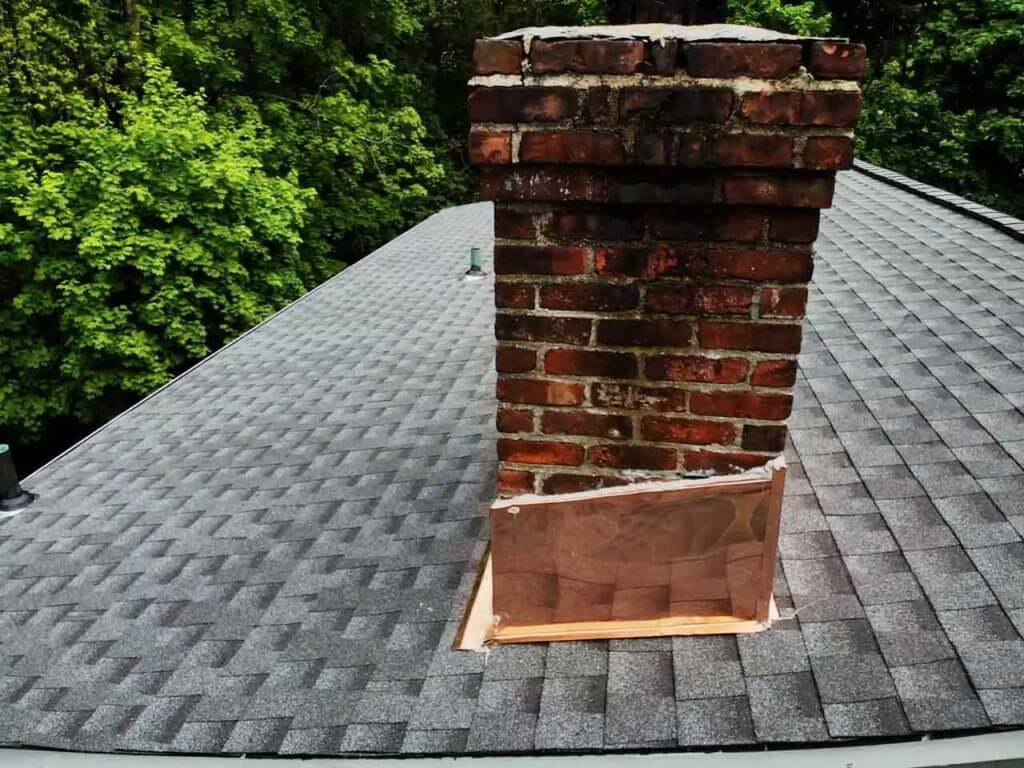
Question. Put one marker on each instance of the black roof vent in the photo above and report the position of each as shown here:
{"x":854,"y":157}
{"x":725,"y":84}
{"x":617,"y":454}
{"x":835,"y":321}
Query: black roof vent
{"x":12,"y":496}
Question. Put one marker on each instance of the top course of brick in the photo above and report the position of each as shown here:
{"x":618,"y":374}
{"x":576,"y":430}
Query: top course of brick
{"x":709,"y":51}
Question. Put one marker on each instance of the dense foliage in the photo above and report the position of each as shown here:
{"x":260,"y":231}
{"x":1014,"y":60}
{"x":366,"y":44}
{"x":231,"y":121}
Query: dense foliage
{"x":171,"y":171}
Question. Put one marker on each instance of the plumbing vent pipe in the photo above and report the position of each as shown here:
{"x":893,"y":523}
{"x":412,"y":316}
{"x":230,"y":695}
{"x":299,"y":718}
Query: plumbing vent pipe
{"x":12,"y":496}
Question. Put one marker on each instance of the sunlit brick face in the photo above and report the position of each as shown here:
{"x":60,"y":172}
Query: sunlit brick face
{"x":656,"y":203}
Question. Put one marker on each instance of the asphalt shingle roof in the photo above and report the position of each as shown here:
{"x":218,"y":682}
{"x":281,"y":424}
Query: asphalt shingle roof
{"x":272,"y":554}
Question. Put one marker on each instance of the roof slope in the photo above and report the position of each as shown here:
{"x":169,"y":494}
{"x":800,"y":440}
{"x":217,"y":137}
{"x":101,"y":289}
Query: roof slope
{"x":272,"y":553}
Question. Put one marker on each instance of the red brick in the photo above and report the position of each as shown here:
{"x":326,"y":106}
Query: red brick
{"x":587,"y":424}
{"x":718,"y":223}
{"x":512,"y":482}
{"x":663,"y":56}
{"x":774,"y":373}
{"x":497,"y":57}
{"x":566,"y":483}
{"x":580,"y":147}
{"x":662,"y":399}
{"x":726,"y":370}
{"x":515,"y":359}
{"x":632,"y":457}
{"x":609,"y":223}
{"x":683,"y":187}
{"x":828,"y":153}
{"x":565,"y":330}
{"x":513,"y":224}
{"x":692,"y":431}
{"x":769,"y":60}
{"x":612,"y":57}
{"x":795,"y":191}
{"x":843,"y":61}
{"x":794,"y":226}
{"x":754,"y":150}
{"x":541,"y":184}
{"x":751,"y":337}
{"x":490,"y":147}
{"x":644,"y":333}
{"x":590,"y":297}
{"x":514,"y":295}
{"x":521,"y":105}
{"x":588,"y":362}
{"x":676,"y":105}
{"x":514,"y":420}
{"x":743,"y":405}
{"x":596,"y":105}
{"x":653,"y":148}
{"x":539,"y":392}
{"x":650,"y":261}
{"x":749,"y":264}
{"x":722,"y":463}
{"x":783,"y":302}
{"x":539,"y":260}
{"x":839,"y":108}
{"x":764,"y":438}
{"x":709,"y":299}
{"x":540,"y":452}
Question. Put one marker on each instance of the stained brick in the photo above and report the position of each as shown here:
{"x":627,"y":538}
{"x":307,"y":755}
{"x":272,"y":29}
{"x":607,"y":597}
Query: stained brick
{"x":828,"y":153}
{"x":752,"y":337}
{"x":586,"y":424}
{"x":722,"y":462}
{"x":517,"y":105}
{"x":735,"y":223}
{"x":514,"y":295}
{"x":795,"y":191}
{"x":581,"y":147}
{"x":633,"y":397}
{"x":613,"y":57}
{"x":490,"y":147}
{"x":769,"y":60}
{"x":644,"y":333}
{"x":514,"y":420}
{"x":539,"y":260}
{"x":497,"y":57}
{"x":650,"y":261}
{"x":515,"y":481}
{"x":540,"y":452}
{"x":588,"y":362}
{"x":539,"y":392}
{"x":609,"y":223}
{"x":677,"y":105}
{"x":764,"y":438}
{"x":513,"y":224}
{"x":794,"y":226}
{"x":565,"y":330}
{"x":569,"y":483}
{"x":837,"y":108}
{"x":774,"y":373}
{"x":541,"y":184}
{"x":829,"y":60}
{"x":761,"y":265}
{"x":727,"y":370}
{"x":691,"y":431}
{"x":593,"y":297}
{"x":515,"y":359}
{"x":783,"y":302}
{"x":744,"y":405}
{"x":632,"y":457}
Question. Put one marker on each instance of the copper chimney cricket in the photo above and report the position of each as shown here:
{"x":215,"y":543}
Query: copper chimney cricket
{"x":656,"y":198}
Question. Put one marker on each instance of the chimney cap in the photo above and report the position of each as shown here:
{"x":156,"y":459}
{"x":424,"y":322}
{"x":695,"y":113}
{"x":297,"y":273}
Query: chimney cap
{"x":660,"y":32}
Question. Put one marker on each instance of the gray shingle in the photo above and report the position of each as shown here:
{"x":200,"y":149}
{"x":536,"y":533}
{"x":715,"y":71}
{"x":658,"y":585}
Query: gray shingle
{"x":938,"y":696}
{"x":785,"y":708}
{"x":707,"y":667}
{"x":865,"y":719}
{"x":572,"y":713}
{"x":640,"y":705}
{"x":1003,"y":568}
{"x":714,"y":722}
{"x":909,"y":633}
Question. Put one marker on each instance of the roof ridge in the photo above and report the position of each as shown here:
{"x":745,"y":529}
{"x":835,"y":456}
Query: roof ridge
{"x":1004,"y":222}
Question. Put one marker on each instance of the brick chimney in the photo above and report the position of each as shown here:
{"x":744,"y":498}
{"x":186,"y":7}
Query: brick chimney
{"x":657,"y":192}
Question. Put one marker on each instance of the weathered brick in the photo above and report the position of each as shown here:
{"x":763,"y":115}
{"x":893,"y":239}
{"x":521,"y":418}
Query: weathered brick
{"x":794,"y":226}
{"x":644,"y":333}
{"x":521,"y":105}
{"x":596,"y":105}
{"x":539,"y":260}
{"x":513,"y":224}
{"x":794,"y":191}
{"x":774,"y":373}
{"x":691,"y":431}
{"x":725,"y":370}
{"x":540,"y":452}
{"x":722,"y":463}
{"x":743,"y":405}
{"x":539,"y":392}
{"x":490,"y":147}
{"x":844,"y":61}
{"x":838,"y":108}
{"x":515,"y":359}
{"x":650,"y":261}
{"x":692,"y":299}
{"x":702,"y":223}
{"x":760,"y":265}
{"x":589,"y":362}
{"x":608,"y":223}
{"x":828,"y":153}
{"x":633,"y":397}
{"x":590,"y":297}
{"x":663,"y":56}
{"x":564,"y":330}
{"x":612,"y":57}
{"x":632,"y":457}
{"x":769,"y":60}
{"x":514,"y":295}
{"x":585,"y":423}
{"x":512,"y":482}
{"x":653,"y":148}
{"x":743,"y":149}
{"x":581,"y":147}
{"x":638,"y":187}
{"x":764,"y":438}
{"x":539,"y":184}
{"x":497,"y":57}
{"x":514,"y":420}
{"x":563,"y":482}
{"x":751,"y":337}
{"x":783,"y":302}
{"x":676,"y":105}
